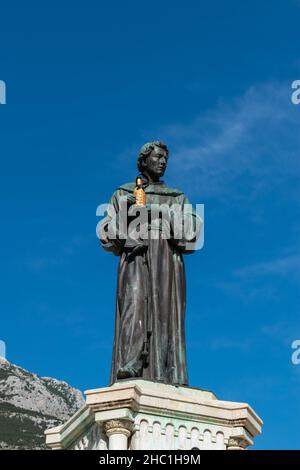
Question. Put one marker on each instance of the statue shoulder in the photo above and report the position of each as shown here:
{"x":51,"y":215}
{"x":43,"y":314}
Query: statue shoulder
{"x":129,"y":187}
{"x":170,"y":191}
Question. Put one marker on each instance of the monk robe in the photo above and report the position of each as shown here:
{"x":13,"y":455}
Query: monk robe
{"x":151,"y":290}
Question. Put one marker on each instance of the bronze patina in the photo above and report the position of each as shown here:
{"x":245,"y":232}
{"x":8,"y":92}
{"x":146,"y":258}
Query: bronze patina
{"x":151,"y":291}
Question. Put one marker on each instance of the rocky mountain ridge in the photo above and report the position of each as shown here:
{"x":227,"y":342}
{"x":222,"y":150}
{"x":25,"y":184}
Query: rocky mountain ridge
{"x":29,"y":404}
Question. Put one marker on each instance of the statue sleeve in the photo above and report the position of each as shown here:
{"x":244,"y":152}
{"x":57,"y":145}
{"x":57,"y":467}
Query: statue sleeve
{"x":110,"y":229}
{"x":186,"y":226}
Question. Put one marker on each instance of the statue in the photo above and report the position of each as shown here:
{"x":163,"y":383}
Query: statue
{"x":151,"y":292}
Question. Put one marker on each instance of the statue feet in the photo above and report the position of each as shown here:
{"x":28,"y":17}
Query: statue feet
{"x":126,"y":373}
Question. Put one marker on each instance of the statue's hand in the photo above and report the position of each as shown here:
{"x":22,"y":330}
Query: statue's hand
{"x":126,"y":203}
{"x":137,"y":249}
{"x":130,"y":199}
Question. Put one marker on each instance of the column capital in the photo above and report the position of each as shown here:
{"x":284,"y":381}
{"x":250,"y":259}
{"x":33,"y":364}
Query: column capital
{"x":118,"y":426}
{"x":237,"y":443}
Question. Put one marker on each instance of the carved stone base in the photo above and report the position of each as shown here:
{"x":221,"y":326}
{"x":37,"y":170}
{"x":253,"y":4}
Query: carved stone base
{"x":140,"y":414}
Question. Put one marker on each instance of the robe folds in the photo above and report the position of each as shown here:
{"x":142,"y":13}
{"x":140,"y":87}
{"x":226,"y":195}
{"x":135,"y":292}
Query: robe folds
{"x":151,"y":292}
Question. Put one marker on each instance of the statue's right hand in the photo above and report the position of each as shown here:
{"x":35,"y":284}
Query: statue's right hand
{"x":130,"y":199}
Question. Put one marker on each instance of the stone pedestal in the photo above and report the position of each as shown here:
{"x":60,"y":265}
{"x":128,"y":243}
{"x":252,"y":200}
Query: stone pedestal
{"x":140,"y":414}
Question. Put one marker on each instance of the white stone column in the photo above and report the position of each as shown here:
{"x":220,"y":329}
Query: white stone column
{"x":118,"y":431}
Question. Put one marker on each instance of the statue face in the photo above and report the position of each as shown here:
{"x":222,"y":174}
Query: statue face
{"x":156,"y":163}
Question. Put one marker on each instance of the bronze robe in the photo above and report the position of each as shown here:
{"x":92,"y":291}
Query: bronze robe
{"x":151,"y":296}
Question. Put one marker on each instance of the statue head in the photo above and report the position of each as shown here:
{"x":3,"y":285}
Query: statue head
{"x":153,"y":159}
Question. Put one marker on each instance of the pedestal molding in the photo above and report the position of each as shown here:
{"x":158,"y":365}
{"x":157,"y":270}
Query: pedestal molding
{"x":156,"y":416}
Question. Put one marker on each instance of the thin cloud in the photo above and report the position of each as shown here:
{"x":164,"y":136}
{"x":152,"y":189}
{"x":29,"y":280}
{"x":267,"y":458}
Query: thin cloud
{"x":253,"y":139}
{"x":247,"y":291}
{"x":56,"y":255}
{"x":229,"y":343}
{"x":256,"y":281}
{"x":285,"y":266}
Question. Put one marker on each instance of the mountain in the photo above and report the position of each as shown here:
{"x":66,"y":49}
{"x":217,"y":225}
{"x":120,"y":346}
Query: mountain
{"x":29,"y":404}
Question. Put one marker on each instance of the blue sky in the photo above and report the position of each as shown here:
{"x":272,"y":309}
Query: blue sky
{"x":87,"y":84}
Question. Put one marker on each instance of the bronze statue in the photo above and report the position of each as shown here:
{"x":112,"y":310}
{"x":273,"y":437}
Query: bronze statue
{"x":151,"y":293}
